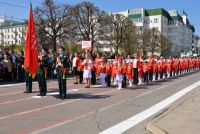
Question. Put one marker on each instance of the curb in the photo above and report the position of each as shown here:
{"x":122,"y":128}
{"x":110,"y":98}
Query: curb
{"x":154,"y":129}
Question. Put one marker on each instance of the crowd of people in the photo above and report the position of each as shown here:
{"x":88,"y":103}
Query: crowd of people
{"x":92,"y":69}
{"x":123,"y":71}
{"x":11,"y":66}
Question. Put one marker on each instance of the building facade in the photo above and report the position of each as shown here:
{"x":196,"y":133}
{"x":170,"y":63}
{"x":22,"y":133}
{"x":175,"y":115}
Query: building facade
{"x":12,"y":32}
{"x":171,"y":24}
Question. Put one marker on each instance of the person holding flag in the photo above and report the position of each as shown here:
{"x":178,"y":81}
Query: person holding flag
{"x":43,"y":61}
{"x":31,"y":54}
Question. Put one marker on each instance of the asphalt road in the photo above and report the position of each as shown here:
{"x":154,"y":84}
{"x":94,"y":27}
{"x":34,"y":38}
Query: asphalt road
{"x":85,"y":111}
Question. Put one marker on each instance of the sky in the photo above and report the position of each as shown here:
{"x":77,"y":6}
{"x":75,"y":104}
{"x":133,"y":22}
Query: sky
{"x":191,"y":7}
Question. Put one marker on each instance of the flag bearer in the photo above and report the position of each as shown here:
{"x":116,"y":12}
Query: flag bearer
{"x":43,"y":61}
{"x":28,"y":79}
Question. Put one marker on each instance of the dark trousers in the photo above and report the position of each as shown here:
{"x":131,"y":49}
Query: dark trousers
{"x":62,"y":85}
{"x":171,"y":73}
{"x":5,"y":74}
{"x":146,"y":77}
{"x":93,"y":79}
{"x":161,"y":73}
{"x":151,"y":74}
{"x":42,"y":83}
{"x":80,"y":76}
{"x":28,"y":79}
{"x":124,"y":81}
{"x":108,"y":80}
{"x":135,"y":77}
{"x":52,"y":73}
{"x":14,"y":73}
{"x":19,"y":74}
{"x":156,"y":75}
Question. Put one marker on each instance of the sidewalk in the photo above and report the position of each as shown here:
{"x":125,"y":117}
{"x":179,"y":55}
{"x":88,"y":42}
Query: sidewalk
{"x":181,"y":118}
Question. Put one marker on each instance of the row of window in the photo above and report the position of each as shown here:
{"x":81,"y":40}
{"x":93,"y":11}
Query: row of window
{"x":12,"y":42}
{"x":146,"y":21}
{"x":13,"y":29}
{"x":11,"y":36}
{"x":155,"y":20}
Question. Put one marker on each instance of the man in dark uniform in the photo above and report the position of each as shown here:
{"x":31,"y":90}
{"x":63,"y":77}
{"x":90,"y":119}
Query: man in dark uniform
{"x":28,"y":79}
{"x":62,"y":66}
{"x":43,"y":61}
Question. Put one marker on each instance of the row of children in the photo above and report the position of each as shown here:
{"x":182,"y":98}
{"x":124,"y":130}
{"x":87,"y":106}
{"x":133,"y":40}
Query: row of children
{"x":135,"y":71}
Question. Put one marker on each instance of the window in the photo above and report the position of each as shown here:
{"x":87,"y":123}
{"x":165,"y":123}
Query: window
{"x":156,"y":20}
{"x":156,"y":28}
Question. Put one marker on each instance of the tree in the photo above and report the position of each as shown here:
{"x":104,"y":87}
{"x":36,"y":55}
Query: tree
{"x":154,"y":43}
{"x":144,"y":39}
{"x":130,"y":42}
{"x":165,"y":45}
{"x":114,"y":31}
{"x":54,"y":22}
{"x":88,"y":18}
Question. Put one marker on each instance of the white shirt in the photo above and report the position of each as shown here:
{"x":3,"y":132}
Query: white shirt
{"x":135,"y":65}
{"x":88,"y":64}
{"x":74,"y":61}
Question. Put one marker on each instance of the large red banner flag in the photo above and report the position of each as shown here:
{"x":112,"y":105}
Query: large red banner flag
{"x":31,"y":54}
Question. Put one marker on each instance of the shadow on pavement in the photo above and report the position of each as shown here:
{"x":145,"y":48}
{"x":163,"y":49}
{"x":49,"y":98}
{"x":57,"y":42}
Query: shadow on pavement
{"x":83,"y":96}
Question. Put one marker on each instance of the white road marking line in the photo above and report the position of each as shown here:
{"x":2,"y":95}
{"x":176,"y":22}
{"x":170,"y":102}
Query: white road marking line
{"x":104,"y":108}
{"x":23,"y":83}
{"x":10,"y":85}
{"x":7,"y":102}
{"x":33,"y":90}
{"x":57,"y":93}
{"x":72,"y":90}
{"x":134,"y":120}
{"x":50,"y":106}
{"x":52,"y":93}
{"x":38,"y":97}
{"x":22,"y":92}
{"x":10,"y":93}
{"x":96,"y":86}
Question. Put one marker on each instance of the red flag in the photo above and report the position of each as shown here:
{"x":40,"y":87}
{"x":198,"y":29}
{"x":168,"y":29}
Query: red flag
{"x":31,"y":54}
